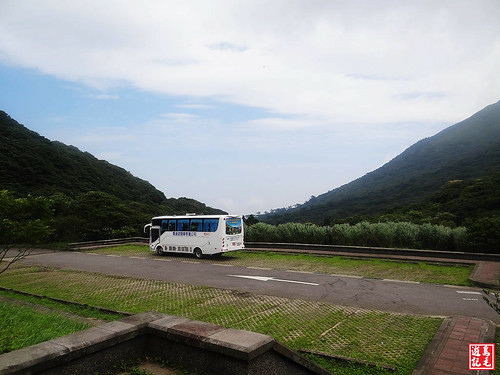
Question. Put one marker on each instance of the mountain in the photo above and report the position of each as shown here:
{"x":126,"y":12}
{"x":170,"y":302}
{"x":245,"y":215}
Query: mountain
{"x":32,"y":164}
{"x":468,"y":149}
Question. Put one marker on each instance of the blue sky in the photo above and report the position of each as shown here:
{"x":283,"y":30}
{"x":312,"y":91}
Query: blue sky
{"x":247,"y":106}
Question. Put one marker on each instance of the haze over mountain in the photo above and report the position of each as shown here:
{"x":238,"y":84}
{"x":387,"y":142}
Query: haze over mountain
{"x":32,"y":164}
{"x":468,"y":149}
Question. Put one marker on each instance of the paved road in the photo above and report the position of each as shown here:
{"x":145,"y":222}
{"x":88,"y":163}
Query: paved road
{"x":386,"y":295}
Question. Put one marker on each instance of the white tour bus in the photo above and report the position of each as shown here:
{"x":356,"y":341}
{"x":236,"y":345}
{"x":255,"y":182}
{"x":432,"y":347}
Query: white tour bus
{"x":196,"y":234}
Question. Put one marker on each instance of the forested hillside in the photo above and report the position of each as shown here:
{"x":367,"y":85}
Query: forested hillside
{"x":32,"y":164}
{"x":79,"y":196}
{"x":456,"y":203}
{"x":469,"y":149}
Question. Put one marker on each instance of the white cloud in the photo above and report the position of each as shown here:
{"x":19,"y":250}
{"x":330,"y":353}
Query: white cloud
{"x":341,"y":86}
{"x":355,"y":61}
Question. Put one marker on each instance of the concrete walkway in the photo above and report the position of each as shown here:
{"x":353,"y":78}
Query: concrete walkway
{"x":486,"y":274}
{"x":448,"y":352}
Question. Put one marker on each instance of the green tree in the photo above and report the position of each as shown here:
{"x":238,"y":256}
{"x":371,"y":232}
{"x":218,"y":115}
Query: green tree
{"x":484,"y":233}
{"x":22,"y":221}
{"x":251,"y":220}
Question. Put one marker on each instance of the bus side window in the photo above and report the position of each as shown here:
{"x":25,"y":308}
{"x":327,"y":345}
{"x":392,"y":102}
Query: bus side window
{"x":172,"y":224}
{"x":210,"y":225}
{"x":183,"y":224}
{"x":196,"y":225}
{"x":164,"y":226}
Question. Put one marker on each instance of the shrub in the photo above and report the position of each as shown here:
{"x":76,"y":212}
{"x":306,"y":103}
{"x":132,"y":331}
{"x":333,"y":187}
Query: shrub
{"x":390,"y":234}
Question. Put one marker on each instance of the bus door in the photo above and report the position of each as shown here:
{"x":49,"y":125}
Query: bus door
{"x":154,"y":237}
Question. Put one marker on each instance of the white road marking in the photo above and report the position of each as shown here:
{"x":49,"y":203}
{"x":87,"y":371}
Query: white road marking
{"x":467,"y":292}
{"x":266,"y":278}
{"x":470,"y":299}
{"x":260,"y":268}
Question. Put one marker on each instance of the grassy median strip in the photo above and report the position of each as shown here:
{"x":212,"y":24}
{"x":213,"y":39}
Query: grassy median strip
{"x":379,"y":268}
{"x":393,"y":339}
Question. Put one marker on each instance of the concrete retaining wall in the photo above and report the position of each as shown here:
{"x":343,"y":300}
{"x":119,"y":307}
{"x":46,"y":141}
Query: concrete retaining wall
{"x":190,"y":344}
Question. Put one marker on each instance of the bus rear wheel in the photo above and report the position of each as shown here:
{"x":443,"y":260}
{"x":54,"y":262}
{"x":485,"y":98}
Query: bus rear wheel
{"x":198,"y":253}
{"x":159,"y":250}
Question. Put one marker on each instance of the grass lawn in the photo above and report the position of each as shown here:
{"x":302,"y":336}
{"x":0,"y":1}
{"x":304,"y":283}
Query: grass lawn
{"x":392,"y":339}
{"x":22,"y":326}
{"x":72,"y":308}
{"x":378,"y":268}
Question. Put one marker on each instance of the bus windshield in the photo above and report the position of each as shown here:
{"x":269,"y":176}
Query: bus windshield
{"x":233,"y":225}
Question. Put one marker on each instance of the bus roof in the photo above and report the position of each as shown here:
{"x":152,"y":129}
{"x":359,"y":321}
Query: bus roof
{"x":193,"y":216}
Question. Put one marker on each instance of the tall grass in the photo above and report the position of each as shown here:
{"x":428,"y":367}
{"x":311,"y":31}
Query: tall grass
{"x":391,"y":234}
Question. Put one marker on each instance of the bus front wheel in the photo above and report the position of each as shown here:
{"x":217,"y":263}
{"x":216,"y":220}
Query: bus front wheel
{"x":198,"y":253}
{"x":159,"y":250}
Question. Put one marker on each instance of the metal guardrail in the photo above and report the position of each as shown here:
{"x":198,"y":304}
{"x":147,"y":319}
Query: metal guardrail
{"x":374,"y":250}
{"x":116,"y":241}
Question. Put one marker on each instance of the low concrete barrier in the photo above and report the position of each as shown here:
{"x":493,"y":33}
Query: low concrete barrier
{"x":196,"y":346}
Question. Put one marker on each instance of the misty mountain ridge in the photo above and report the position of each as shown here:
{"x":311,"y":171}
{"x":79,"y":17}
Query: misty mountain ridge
{"x":468,"y":149}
